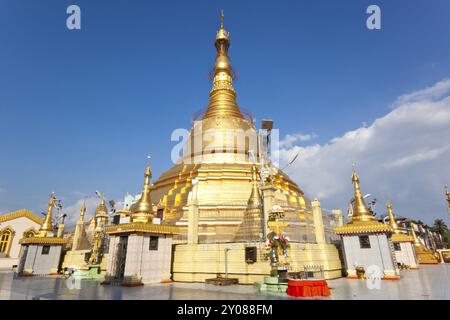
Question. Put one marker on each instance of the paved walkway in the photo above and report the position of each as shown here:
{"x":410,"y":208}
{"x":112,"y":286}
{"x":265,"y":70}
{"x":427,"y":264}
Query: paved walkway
{"x":430,"y":282}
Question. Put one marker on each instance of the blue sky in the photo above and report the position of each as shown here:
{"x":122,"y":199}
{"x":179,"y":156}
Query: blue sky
{"x":81,"y":109}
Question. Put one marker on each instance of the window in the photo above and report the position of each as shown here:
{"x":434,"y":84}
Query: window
{"x":364,"y":242}
{"x":160,"y":213}
{"x":397,"y":246}
{"x":116,"y":219}
{"x":5,"y":240}
{"x":250,"y":254}
{"x":45,"y":249}
{"x":153,"y":243}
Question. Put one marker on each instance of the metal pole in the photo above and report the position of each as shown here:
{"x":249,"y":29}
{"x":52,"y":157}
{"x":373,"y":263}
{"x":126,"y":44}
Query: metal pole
{"x":226,"y":262}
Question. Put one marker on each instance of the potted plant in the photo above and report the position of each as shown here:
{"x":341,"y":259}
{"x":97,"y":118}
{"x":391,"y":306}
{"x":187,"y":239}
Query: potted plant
{"x":360,"y":272}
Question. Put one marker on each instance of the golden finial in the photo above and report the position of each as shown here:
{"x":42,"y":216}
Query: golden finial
{"x":360,"y":209}
{"x":255,"y":196}
{"x":142,"y":211}
{"x":47,"y":225}
{"x":413,"y":233}
{"x":83,"y":211}
{"x":101,"y":210}
{"x":392,"y":221}
{"x":222,"y":97}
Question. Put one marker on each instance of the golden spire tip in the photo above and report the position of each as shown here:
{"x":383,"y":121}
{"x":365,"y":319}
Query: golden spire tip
{"x":222,"y":15}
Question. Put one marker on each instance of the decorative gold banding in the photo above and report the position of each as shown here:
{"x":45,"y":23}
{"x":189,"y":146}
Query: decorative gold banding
{"x":19,"y":214}
{"x":401,"y":237}
{"x":363,"y":227}
{"x":142,"y":227}
{"x":43,"y":240}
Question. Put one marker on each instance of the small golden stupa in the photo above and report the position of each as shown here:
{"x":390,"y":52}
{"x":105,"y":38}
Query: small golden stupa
{"x":41,"y":254}
{"x":398,"y":235}
{"x":366,"y":241}
{"x":424,"y":256}
{"x":142,"y":211}
{"x":362,"y":220}
{"x":46,"y":234}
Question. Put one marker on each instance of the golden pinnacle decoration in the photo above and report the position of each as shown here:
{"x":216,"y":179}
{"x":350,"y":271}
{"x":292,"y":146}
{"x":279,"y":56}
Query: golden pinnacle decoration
{"x":222,"y":96}
{"x":417,"y":243}
{"x":82,"y":212}
{"x":142,"y":211}
{"x":360,"y":210}
{"x":392,"y":221}
{"x":47,"y":226}
{"x":362,"y":220}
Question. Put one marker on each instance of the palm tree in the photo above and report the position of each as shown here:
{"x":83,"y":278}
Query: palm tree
{"x":440,"y":227}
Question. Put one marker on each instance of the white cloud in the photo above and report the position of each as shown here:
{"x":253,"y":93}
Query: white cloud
{"x":403,"y":156}
{"x":434,"y":92}
{"x":290,"y":139}
{"x":73,"y":211}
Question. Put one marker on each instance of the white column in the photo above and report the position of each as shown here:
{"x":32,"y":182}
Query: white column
{"x":318,"y":221}
{"x":193,"y":213}
{"x":268,"y":194}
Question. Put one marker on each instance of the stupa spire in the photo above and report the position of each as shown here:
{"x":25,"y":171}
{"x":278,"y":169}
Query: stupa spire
{"x":360,"y":210}
{"x":47,"y":225}
{"x":392,"y":221}
{"x":143,"y":210}
{"x":255,"y":196}
{"x":101,"y":210}
{"x":417,"y":243}
{"x":82,"y":212}
{"x":222,"y":98}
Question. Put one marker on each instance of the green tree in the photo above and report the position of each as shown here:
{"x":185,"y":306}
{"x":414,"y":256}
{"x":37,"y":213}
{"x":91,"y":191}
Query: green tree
{"x":440,"y":227}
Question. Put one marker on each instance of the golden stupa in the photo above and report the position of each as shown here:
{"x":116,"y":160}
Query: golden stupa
{"x":46,"y":234}
{"x":235,"y":190}
{"x":424,"y":256}
{"x":362,"y":220}
{"x":225,"y":175}
{"x":398,"y":235}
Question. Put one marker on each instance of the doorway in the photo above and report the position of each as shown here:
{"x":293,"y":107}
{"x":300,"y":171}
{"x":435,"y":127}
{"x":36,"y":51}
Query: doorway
{"x":121,"y":258}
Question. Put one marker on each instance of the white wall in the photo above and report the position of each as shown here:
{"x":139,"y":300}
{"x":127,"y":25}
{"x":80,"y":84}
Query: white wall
{"x":19,"y":226}
{"x":38,"y":264}
{"x":406,"y":254}
{"x":110,"y":264}
{"x":378,"y":254}
{"x":152,"y":265}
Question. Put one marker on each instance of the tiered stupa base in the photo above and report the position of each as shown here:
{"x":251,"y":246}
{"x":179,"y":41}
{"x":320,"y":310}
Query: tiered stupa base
{"x":198,"y":262}
{"x":424,"y":256}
